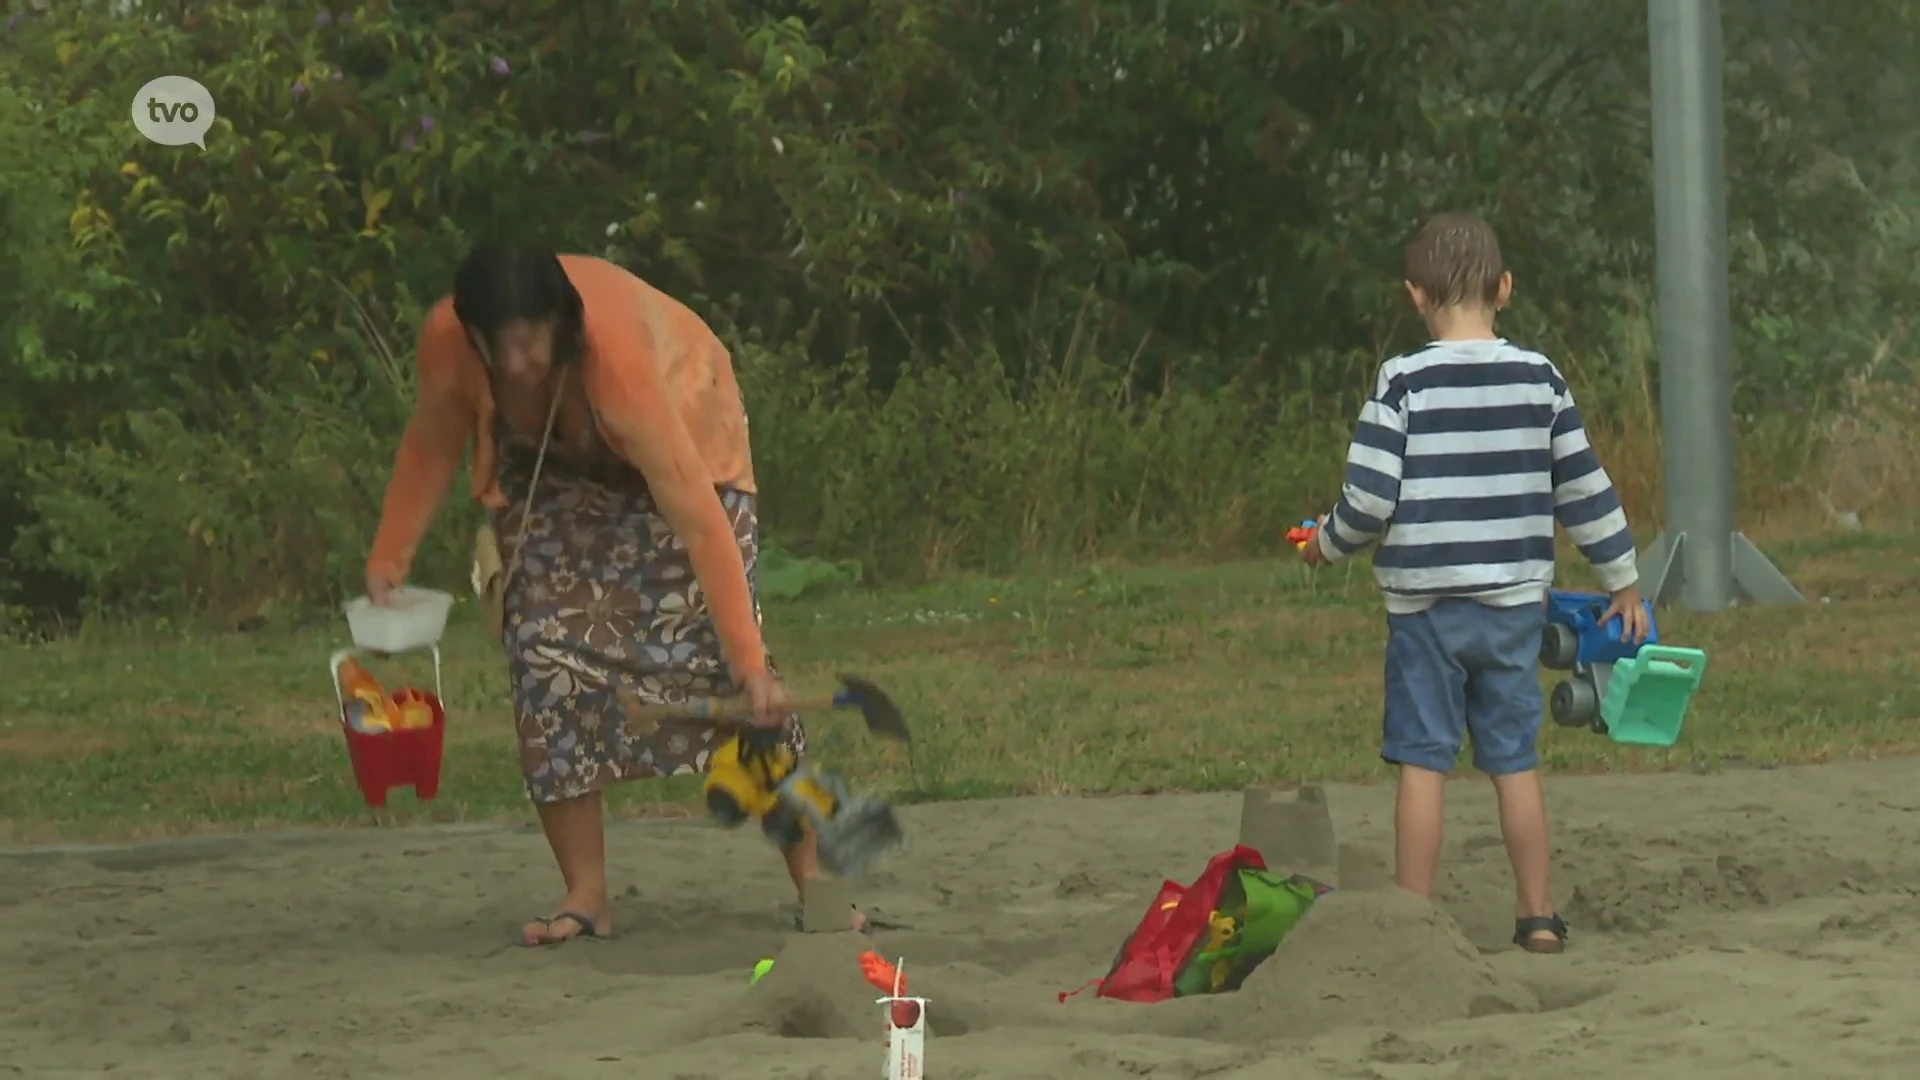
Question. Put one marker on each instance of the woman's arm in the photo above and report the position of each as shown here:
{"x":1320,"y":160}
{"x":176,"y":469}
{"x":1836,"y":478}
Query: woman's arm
{"x":639,"y":422}
{"x":429,"y":452}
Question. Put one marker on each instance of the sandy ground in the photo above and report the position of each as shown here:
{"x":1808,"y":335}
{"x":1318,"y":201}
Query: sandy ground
{"x":1756,"y":924}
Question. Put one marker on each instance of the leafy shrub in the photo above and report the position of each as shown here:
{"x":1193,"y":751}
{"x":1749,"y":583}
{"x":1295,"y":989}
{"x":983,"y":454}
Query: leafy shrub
{"x":1006,"y":284}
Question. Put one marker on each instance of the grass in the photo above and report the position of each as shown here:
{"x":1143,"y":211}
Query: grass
{"x":1143,"y":679}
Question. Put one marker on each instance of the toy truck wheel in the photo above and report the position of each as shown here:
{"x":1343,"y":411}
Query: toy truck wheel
{"x":1575,"y":703}
{"x":783,"y":827}
{"x":1559,"y":647}
{"x":724,"y":809}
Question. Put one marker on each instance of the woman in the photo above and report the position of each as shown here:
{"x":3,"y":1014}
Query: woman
{"x":609,"y":411}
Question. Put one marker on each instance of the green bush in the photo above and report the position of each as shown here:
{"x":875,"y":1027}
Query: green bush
{"x":1005,"y":285}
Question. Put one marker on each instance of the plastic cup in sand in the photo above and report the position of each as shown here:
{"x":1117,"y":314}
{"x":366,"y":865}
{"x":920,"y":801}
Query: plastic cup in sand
{"x":760,"y":971}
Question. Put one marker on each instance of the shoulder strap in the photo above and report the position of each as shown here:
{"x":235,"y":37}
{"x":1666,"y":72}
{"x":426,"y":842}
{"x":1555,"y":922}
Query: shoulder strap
{"x":533,"y":484}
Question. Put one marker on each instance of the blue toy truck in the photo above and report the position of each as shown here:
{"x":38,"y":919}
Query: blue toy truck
{"x":1635,"y":693}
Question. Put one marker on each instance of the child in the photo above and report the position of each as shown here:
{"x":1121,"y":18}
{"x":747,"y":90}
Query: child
{"x":1467,"y":452}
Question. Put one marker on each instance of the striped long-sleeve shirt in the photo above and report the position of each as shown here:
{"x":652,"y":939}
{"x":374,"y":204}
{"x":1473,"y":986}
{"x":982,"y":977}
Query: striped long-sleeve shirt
{"x":1464,"y":457}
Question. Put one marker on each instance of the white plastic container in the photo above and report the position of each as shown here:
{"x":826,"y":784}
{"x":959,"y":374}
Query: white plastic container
{"x":906,"y":1046}
{"x":411,"y":619}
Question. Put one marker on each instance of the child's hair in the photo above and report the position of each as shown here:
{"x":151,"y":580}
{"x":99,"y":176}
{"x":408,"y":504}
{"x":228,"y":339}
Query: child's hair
{"x":1455,"y":259}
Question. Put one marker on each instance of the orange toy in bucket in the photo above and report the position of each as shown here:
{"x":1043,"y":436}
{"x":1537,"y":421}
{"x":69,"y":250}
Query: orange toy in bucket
{"x":394,"y":740}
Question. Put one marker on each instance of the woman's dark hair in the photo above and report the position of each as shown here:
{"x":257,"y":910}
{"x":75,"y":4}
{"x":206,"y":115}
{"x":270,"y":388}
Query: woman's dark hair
{"x":499,"y":285}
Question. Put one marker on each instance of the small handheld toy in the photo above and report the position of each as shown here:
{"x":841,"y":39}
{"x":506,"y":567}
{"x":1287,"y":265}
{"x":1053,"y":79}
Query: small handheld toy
{"x":1301,"y":533}
{"x":1632,"y":692}
{"x":887,"y":979}
{"x":1218,"y":952}
{"x":755,"y":776}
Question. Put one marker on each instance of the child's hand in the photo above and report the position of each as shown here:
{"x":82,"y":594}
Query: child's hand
{"x":1312,"y":554}
{"x":1632,"y":614}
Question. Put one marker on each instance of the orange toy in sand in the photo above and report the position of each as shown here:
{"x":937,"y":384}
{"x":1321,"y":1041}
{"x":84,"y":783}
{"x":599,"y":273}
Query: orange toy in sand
{"x":884,"y":977}
{"x":393,"y":740}
{"x":880,"y":974}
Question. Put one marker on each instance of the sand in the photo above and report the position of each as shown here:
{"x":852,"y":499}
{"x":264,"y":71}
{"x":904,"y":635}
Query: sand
{"x":1755,"y":924}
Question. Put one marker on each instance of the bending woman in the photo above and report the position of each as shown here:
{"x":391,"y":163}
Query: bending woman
{"x":635,"y":580}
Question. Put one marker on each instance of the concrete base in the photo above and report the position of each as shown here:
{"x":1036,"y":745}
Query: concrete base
{"x":1292,"y":831}
{"x":827,"y":907}
{"x":1755,"y":580}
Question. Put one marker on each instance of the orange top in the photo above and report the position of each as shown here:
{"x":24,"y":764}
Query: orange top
{"x":662,"y":393}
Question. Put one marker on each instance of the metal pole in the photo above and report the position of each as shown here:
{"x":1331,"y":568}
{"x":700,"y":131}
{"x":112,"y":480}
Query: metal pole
{"x":1698,"y":558}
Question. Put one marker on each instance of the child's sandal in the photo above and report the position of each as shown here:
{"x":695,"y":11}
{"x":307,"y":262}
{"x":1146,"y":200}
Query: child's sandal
{"x":1524,"y":931}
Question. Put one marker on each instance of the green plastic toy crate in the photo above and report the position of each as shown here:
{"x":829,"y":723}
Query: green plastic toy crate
{"x":1646,"y":700}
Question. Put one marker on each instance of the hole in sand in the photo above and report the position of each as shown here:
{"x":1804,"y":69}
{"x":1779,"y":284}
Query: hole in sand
{"x":947,"y":1023}
{"x":807,"y":1020}
{"x":815,"y":991}
{"x":1562,"y":993}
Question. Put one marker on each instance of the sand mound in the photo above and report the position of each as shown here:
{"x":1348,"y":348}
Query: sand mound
{"x":1373,"y":957}
{"x":1370,"y":958}
{"x":815,"y":991}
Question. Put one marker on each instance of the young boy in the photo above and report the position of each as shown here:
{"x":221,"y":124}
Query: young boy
{"x":1468,"y":451}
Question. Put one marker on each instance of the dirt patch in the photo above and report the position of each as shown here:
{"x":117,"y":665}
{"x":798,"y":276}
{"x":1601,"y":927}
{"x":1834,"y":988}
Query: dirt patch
{"x":56,"y":745}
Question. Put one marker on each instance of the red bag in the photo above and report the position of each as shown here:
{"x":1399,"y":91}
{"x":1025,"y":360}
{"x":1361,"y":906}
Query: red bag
{"x":1174,"y":927}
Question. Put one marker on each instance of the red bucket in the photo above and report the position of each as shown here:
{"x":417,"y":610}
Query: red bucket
{"x":384,"y":760}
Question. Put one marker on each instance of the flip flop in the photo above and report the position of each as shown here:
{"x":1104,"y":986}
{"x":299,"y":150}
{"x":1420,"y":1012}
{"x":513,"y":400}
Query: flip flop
{"x":588,"y":931}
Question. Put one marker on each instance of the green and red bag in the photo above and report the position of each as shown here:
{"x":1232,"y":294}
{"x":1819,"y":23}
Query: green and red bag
{"x":1207,"y":937}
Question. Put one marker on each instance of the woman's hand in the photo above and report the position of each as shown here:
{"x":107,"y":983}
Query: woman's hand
{"x":768,"y":696}
{"x":381,"y":586}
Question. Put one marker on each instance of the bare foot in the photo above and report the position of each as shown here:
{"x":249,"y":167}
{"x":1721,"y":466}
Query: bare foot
{"x":572,"y":919}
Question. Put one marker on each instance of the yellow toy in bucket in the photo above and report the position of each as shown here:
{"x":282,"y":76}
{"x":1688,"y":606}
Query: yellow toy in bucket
{"x":368,"y":708}
{"x":393,"y":739}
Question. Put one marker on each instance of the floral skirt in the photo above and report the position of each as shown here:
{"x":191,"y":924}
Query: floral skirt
{"x":602,"y":613}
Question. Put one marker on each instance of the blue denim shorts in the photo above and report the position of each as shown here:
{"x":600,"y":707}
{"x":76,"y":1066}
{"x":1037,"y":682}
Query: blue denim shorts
{"x":1460,"y":669}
